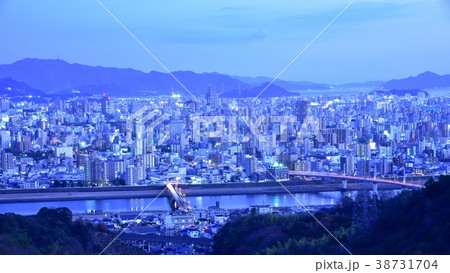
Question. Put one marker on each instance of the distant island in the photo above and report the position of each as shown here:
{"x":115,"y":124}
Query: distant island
{"x":404,"y":92}
{"x":272,"y":90}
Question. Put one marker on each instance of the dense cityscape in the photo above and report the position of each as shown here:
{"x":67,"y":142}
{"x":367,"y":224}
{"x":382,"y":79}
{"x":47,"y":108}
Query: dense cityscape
{"x":225,"y":128}
{"x":84,"y":141}
{"x":102,"y":141}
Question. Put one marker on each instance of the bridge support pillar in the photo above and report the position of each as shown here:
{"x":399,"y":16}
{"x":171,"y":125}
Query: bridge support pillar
{"x":375,"y":189}
{"x":344,"y":184}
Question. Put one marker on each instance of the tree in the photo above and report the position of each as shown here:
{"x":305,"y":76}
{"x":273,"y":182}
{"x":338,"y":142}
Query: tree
{"x":118,"y":182}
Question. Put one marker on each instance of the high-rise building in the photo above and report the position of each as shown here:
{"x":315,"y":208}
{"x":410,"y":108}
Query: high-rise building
{"x":249,"y":165}
{"x":114,"y":168}
{"x":87,"y":165}
{"x":301,"y":110}
{"x":7,"y":161}
{"x":385,"y":166}
{"x":97,"y":171}
{"x":348,"y":165}
{"x":363,"y":167}
{"x":5,"y":139}
{"x":138,"y":146}
{"x":146,"y":160}
{"x":278,"y":172}
{"x":105,"y":171}
{"x":239,"y":159}
{"x":131,"y":176}
{"x":176,"y":128}
{"x":106,"y":101}
{"x":211,"y":97}
{"x":140,"y":172}
{"x":363,"y":150}
{"x":111,"y":173}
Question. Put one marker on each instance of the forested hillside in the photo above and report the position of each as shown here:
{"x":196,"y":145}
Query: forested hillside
{"x":52,"y":231}
{"x":413,"y":222}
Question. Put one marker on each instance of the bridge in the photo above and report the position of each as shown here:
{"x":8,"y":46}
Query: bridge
{"x":178,"y":201}
{"x":346,"y":178}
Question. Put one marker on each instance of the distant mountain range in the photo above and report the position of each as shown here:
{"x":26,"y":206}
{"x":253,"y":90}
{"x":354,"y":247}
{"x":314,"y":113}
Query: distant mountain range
{"x":58,"y":77}
{"x":425,"y":80}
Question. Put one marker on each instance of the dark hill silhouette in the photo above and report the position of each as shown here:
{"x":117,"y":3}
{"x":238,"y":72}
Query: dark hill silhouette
{"x":52,"y":232}
{"x":12,"y":87}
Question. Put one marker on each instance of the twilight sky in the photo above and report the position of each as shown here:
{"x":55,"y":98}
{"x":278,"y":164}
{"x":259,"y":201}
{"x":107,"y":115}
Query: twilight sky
{"x":372,"y":40}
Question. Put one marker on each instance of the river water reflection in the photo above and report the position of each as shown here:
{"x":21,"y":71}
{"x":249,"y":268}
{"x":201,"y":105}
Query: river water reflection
{"x":225,"y":201}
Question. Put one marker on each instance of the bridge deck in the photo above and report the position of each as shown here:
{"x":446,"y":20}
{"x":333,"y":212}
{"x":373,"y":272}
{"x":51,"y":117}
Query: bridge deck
{"x":179,"y":199}
{"x":356,"y":178}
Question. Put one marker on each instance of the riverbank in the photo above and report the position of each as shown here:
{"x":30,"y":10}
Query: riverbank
{"x":42,"y":195}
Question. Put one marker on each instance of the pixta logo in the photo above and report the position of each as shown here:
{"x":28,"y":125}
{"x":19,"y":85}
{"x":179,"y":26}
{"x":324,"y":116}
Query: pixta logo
{"x":224,"y":128}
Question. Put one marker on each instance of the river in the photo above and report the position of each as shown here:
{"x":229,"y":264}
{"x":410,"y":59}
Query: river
{"x":201,"y":202}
